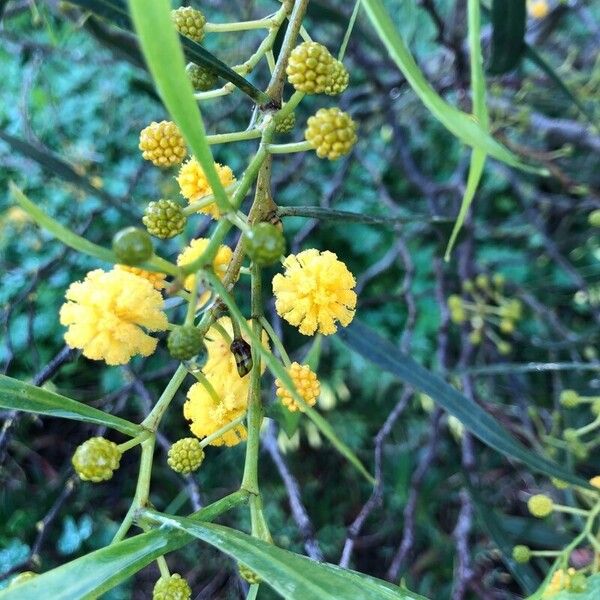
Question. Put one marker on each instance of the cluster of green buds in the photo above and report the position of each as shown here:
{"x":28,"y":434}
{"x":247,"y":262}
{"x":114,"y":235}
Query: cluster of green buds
{"x":579,"y":441}
{"x":488,"y":311}
{"x":562,"y":576}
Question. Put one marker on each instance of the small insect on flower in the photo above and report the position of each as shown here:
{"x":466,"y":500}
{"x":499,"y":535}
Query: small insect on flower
{"x":107,"y":313}
{"x":194,"y":185}
{"x":315,"y":292}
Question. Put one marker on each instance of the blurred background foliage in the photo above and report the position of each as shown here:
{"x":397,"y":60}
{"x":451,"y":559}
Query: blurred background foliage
{"x":66,"y":92}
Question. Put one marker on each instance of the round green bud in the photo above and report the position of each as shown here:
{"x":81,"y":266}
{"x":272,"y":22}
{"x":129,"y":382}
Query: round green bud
{"x":522,"y":554}
{"x":507,"y":326}
{"x":504,"y":347}
{"x":21,"y":578}
{"x":174,"y":587}
{"x":570,"y":435}
{"x":132,"y":246}
{"x":185,"y":342}
{"x":559,"y":484}
{"x":338,"y":80}
{"x":498,"y":280}
{"x":286,"y":124}
{"x":248,"y":574}
{"x":201,"y":78}
{"x":467,"y":285}
{"x":190,"y":22}
{"x":594,"y":218}
{"x":309,"y":68}
{"x":186,"y":455}
{"x":164,"y":219}
{"x":96,"y":459}
{"x":540,"y":505}
{"x":482,"y":281}
{"x":455,"y":301}
{"x":569,"y":398}
{"x":331,"y":132}
{"x":264,"y":244}
{"x":476,"y":337}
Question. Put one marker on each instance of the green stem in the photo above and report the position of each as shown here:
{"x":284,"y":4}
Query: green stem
{"x":276,"y":341}
{"x":349,"y":29}
{"x":289,"y":148}
{"x":238,"y":26}
{"x":208,"y":386}
{"x":217,"y":434}
{"x":236,"y":136}
{"x":134,"y":441}
{"x":192,"y":302}
{"x":153,"y":419}
{"x":163,"y":567}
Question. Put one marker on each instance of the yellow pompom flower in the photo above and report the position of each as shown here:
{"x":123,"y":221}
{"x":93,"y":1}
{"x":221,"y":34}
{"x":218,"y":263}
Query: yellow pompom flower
{"x":561,"y":580}
{"x":595,"y":481}
{"x":315,"y":292}
{"x":156,"y":279}
{"x":208,"y":414}
{"x":538,"y":9}
{"x":106,"y":315}
{"x":305,"y":382}
{"x":194,"y":184}
{"x":195,"y":250}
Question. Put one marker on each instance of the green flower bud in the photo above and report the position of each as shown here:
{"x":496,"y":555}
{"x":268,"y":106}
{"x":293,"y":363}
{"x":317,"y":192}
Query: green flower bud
{"x":174,"y":587}
{"x":185,"y":455}
{"x":96,"y":459}
{"x":540,"y":505}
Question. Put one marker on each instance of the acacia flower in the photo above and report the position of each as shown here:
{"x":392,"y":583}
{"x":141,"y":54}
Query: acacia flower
{"x":106,"y":315}
{"x":315,"y":292}
{"x":156,"y":279}
{"x":194,"y":184}
{"x":195,"y":250}
{"x":306,"y":384}
{"x":208,"y":414}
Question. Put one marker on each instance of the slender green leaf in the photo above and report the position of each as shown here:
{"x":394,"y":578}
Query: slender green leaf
{"x":508,"y":35}
{"x":537,"y":59}
{"x":480,"y":111}
{"x":491,"y":522}
{"x":57,"y":166}
{"x":75,"y":241}
{"x":463,"y":126}
{"x":162,"y":50}
{"x":385,"y":355}
{"x":278,"y":371}
{"x":92,"y":575}
{"x":293,"y":576}
{"x":17,"y":395}
{"x":115,"y":11}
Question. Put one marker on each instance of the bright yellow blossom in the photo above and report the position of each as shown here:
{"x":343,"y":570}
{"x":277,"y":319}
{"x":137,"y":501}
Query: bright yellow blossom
{"x":315,"y":291}
{"x":561,"y":580}
{"x":194,"y":184}
{"x":208,"y":414}
{"x":595,"y":481}
{"x":156,"y":279}
{"x":105,"y":314}
{"x":538,"y":9}
{"x":195,"y":250}
{"x":306,"y":383}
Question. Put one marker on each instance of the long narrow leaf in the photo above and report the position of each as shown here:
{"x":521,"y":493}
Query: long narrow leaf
{"x":463,"y":126}
{"x":508,"y":35}
{"x":94,"y":574}
{"x":478,"y":157}
{"x":162,"y":50}
{"x":385,"y":355}
{"x":293,"y":576}
{"x":115,"y":11}
{"x":17,"y":395}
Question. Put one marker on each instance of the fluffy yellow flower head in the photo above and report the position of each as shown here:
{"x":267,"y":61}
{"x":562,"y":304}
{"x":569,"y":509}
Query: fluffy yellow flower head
{"x":208,"y":414}
{"x":156,"y":279}
{"x":306,"y":383}
{"x":561,"y":580}
{"x":538,"y":9}
{"x":196,"y":249}
{"x":194,"y":184}
{"x":315,"y":291}
{"x":105,"y":314}
{"x":595,"y":481}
